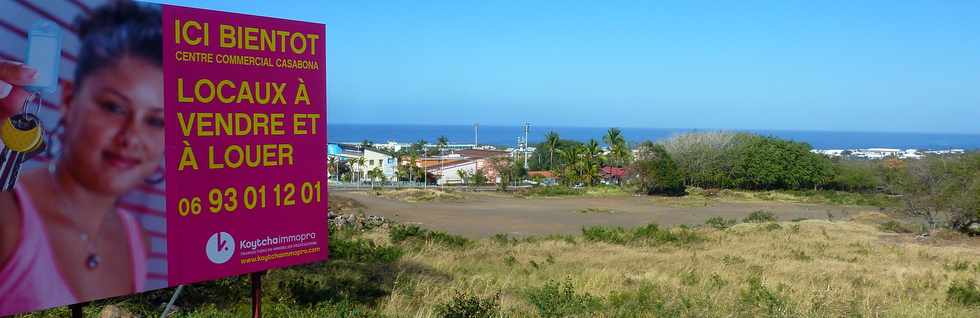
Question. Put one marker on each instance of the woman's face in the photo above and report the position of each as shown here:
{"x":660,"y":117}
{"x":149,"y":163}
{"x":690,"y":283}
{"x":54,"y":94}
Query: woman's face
{"x":114,"y":129}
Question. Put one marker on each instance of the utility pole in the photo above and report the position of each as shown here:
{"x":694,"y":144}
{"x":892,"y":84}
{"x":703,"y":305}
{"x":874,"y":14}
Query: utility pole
{"x":527,"y":127}
{"x":517,"y":150}
{"x":476,"y":135}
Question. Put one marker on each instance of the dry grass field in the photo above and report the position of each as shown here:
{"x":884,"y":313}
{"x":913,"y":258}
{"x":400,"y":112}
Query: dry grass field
{"x":805,"y":269}
{"x":739,"y":264}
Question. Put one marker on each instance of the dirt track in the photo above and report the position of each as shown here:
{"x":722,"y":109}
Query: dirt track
{"x":485,"y":214}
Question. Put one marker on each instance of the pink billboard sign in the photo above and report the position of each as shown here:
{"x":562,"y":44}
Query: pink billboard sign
{"x":180,"y":145}
{"x":246,"y":137}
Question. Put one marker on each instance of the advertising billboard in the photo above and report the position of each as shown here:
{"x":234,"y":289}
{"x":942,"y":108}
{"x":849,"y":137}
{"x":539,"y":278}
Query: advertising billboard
{"x":179,"y":145}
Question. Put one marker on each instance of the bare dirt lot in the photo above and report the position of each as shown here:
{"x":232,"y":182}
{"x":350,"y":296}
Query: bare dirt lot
{"x":485,"y":214}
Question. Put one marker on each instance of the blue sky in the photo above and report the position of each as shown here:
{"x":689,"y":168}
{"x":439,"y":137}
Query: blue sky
{"x":788,"y":65}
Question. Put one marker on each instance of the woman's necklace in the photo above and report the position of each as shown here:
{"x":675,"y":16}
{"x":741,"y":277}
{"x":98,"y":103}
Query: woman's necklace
{"x":92,"y":258}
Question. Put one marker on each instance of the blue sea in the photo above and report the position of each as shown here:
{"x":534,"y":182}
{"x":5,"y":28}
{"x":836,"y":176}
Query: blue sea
{"x":507,"y":136}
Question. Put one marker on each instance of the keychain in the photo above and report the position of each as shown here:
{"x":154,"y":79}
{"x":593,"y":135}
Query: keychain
{"x":23,"y":133}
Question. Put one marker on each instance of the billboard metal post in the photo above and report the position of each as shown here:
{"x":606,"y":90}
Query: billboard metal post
{"x":256,"y":279}
{"x":76,"y":310}
{"x":173,"y":299}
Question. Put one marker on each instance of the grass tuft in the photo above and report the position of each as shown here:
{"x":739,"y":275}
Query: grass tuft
{"x":414,"y":233}
{"x":760,"y":217}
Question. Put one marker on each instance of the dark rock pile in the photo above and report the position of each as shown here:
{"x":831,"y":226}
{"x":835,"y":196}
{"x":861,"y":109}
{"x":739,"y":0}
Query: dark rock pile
{"x":358,"y":221}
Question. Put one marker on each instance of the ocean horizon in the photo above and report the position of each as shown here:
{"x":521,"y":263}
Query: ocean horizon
{"x":507,"y":135}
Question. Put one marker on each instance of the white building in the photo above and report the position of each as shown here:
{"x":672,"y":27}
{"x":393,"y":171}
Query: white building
{"x":451,"y":147}
{"x":873,"y":153}
{"x":911,"y":154}
{"x":829,"y":152}
{"x":947,"y":152}
{"x":375,"y":158}
{"x":391,"y":146}
{"x":449,"y":174}
{"x":468,"y":160}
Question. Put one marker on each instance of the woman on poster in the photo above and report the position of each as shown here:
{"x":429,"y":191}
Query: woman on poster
{"x":63,"y":238}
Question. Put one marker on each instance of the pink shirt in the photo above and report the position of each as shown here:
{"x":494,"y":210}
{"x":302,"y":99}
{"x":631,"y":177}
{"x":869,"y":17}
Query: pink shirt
{"x":30,"y":279}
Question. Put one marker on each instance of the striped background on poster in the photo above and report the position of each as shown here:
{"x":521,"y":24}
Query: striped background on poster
{"x":146,"y":204}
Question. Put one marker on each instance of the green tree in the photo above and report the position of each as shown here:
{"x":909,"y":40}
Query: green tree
{"x":441,"y":143}
{"x":618,"y":148}
{"x":541,"y":157}
{"x":591,"y":163}
{"x":376,"y":175}
{"x":358,"y":167}
{"x":366,"y":144}
{"x":856,"y":176}
{"x":654,"y":172}
{"x":410,"y":171}
{"x":963,"y":194}
{"x":418,"y":147}
{"x":940,"y":188}
{"x":705,"y":158}
{"x":570,"y":164}
{"x":479,"y":177}
{"x":552,"y":140}
{"x":760,"y":162}
{"x":505,"y":170}
{"x":344,"y":172}
{"x":462,"y":175}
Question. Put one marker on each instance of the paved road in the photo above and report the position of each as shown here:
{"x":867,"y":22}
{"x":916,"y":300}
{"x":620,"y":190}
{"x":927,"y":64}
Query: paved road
{"x":486,"y":214}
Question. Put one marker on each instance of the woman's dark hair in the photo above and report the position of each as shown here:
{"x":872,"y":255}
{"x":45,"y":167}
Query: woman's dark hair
{"x":116,"y":30}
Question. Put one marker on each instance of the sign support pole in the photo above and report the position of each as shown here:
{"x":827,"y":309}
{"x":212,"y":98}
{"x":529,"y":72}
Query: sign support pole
{"x":173,"y":299}
{"x":76,"y":310}
{"x":256,"y":279}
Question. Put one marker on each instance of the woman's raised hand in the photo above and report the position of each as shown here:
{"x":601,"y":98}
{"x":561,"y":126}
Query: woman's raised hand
{"x":13,"y":75}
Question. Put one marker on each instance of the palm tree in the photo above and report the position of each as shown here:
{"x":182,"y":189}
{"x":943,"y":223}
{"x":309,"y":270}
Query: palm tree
{"x":441,"y":143}
{"x":359,"y":161}
{"x":462,"y":175}
{"x":413,"y":164}
{"x":624,"y":154}
{"x":419,"y":147}
{"x":616,"y":143}
{"x":376,"y":174}
{"x":571,"y":158}
{"x":552,"y":140}
{"x":352,"y":169}
{"x":331,"y":167}
{"x":592,"y":162}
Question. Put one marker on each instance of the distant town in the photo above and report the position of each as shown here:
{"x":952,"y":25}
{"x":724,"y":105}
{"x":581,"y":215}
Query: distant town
{"x":882,"y":153}
{"x":450,"y":163}
{"x":445,"y":163}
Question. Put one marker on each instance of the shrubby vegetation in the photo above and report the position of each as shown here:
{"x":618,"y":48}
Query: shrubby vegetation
{"x":703,"y":158}
{"x":720,"y":223}
{"x":964,"y":293}
{"x":555,"y":300}
{"x":655,"y":172}
{"x":939,"y":189}
{"x":650,"y":234}
{"x":464,"y":305}
{"x":414,"y":233}
{"x":857,"y":176}
{"x":943,"y":190}
{"x":748,"y":161}
{"x":760,"y":217}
